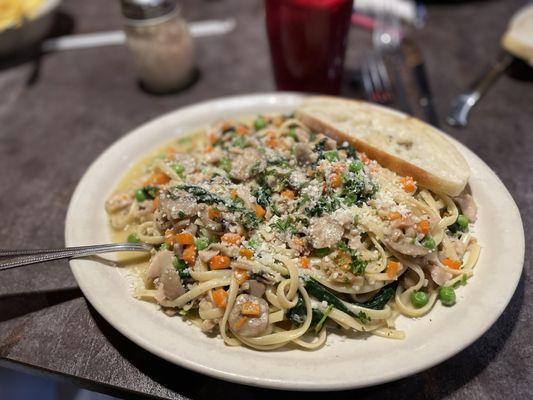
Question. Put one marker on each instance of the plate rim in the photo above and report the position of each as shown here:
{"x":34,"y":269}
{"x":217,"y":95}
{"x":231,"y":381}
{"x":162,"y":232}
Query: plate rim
{"x":271,"y":98}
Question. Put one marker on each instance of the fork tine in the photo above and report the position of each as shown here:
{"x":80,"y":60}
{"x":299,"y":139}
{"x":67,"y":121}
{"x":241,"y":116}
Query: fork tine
{"x":373,"y":80}
{"x":365,"y":76}
{"x":382,"y":89}
{"x":384,"y":78}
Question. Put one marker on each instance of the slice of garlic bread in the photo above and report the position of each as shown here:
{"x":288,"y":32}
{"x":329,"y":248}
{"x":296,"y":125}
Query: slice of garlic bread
{"x":401,"y":143}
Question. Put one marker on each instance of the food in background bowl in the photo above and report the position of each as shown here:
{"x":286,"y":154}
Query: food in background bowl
{"x":24,"y":23}
{"x":14,"y":12}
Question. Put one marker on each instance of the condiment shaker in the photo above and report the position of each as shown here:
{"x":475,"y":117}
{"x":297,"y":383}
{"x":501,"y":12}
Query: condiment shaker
{"x":158,"y":39}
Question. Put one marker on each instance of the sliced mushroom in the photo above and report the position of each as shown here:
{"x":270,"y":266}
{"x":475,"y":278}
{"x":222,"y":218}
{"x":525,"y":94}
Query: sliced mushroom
{"x":171,"y":284}
{"x":245,"y":325}
{"x":439,"y":275}
{"x":324,"y":232}
{"x":468,"y":206}
{"x":118,"y":202}
{"x":405,"y":246}
{"x":206,"y":255}
{"x":178,"y":205}
{"x":256,"y":288}
{"x":158,"y":264}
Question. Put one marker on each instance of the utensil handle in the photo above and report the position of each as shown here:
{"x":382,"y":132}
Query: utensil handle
{"x":485,"y":81}
{"x":37,"y":256}
{"x":462,"y":104}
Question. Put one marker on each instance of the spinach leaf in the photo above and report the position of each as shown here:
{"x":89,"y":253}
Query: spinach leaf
{"x":298,"y":313}
{"x":381,"y":298}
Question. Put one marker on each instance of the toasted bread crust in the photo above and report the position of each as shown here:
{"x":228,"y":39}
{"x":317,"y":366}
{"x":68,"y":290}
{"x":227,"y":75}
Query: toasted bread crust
{"x":393,"y":162}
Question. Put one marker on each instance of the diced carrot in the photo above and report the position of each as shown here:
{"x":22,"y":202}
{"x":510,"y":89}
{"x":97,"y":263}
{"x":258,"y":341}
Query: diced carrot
{"x":423,"y":226}
{"x":394,"y":215}
{"x":208,"y":149}
{"x":220,"y":297}
{"x":298,"y":241}
{"x":310,"y":172}
{"x":170,"y":237}
{"x":241,"y":275}
{"x":408,"y":184}
{"x":189,"y":254}
{"x":336,"y":180}
{"x":271,"y":141}
{"x":213,"y":213}
{"x":155,"y":203}
{"x":242,"y":130}
{"x":392,"y":269}
{"x":305,"y":262}
{"x":212,"y":138}
{"x":259,"y":211}
{"x":184,"y":238}
{"x":288,"y":194}
{"x":364,"y":158}
{"x":219,"y":262}
{"x":240,"y":322}
{"x":453,"y":264}
{"x":251,"y":309}
{"x":160,"y":179}
{"x":231,"y":238}
{"x":248,"y":253}
{"x":233,"y":194}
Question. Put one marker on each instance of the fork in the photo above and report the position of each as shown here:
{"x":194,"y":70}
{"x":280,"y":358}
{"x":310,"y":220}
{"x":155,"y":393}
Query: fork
{"x":386,"y":39}
{"x":34,"y":256}
{"x":376,"y":82}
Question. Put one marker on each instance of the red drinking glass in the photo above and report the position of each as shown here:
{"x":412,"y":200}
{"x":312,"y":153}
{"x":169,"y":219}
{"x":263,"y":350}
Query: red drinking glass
{"x":308,"y":42}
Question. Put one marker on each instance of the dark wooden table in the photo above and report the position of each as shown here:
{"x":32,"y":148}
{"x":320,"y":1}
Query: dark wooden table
{"x":82,"y":101}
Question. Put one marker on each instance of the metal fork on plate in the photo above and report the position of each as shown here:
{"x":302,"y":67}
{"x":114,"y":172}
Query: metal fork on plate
{"x":27,"y":257}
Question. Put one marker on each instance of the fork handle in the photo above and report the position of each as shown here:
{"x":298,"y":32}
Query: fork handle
{"x":72,"y":252}
{"x":463,"y":103}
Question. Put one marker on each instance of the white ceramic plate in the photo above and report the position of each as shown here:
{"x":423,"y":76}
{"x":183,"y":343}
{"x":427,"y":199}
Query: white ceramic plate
{"x":430,"y":340}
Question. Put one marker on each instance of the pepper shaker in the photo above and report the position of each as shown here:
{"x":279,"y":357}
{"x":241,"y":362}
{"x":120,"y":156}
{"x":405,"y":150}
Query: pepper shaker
{"x":160,"y":43}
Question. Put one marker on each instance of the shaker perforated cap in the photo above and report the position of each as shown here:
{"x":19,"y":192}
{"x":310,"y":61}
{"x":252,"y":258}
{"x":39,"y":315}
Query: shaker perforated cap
{"x":146,"y":9}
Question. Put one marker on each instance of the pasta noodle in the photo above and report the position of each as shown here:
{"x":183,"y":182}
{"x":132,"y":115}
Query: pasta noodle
{"x":274,"y":235}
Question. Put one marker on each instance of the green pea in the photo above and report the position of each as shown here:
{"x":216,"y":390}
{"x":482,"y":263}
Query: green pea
{"x":260,"y":123}
{"x":179,"y":265}
{"x":355,"y":166}
{"x":428,"y":243}
{"x":225,"y":164}
{"x":419,"y":299}
{"x":462,"y":221}
{"x":133,"y":238}
{"x":164,"y":246}
{"x":202,"y":243}
{"x":140,"y":196}
{"x":178,"y":169}
{"x":447,"y":296}
{"x":292,"y":134}
{"x":331,"y":155}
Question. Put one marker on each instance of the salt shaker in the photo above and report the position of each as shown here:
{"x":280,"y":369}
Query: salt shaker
{"x":162,"y":48}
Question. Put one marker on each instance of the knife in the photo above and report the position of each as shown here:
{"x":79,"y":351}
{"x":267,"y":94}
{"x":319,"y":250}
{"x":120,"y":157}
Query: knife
{"x":415,"y":63}
{"x":112,"y":38}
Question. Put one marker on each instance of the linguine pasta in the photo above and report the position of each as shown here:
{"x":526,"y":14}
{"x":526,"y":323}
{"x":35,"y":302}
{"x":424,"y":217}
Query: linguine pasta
{"x":270,"y":234}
